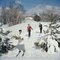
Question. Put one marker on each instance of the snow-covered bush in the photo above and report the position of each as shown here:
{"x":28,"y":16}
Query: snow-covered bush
{"x":49,"y":42}
{"x":5,"y":46}
{"x":4,"y":32}
{"x":36,"y":43}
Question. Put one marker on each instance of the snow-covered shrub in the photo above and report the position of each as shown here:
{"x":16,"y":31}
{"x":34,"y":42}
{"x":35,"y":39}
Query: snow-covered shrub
{"x":1,"y":30}
{"x":4,"y":32}
{"x":36,"y":43}
{"x":45,"y":29}
{"x":50,"y":41}
{"x":52,"y":45}
{"x":5,"y":46}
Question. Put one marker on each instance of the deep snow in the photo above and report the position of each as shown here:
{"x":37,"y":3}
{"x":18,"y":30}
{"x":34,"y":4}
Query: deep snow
{"x":31,"y":51}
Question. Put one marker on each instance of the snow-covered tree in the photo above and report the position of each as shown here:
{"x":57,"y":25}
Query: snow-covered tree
{"x":37,"y":18}
{"x":14,"y":14}
{"x":50,"y":42}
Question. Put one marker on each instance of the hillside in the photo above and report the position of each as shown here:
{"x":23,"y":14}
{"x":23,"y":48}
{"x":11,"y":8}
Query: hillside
{"x":31,"y":52}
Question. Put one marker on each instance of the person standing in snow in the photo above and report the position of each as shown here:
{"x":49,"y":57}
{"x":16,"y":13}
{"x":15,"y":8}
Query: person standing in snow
{"x":40,"y":27}
{"x":29,"y":28}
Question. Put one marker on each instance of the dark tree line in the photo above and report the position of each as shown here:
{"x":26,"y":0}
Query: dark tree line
{"x":37,"y":18}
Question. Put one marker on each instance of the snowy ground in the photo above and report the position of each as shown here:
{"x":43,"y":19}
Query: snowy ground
{"x":31,"y":52}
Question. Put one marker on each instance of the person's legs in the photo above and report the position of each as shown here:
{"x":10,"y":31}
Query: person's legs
{"x":29,"y":33}
{"x":40,"y":30}
{"x":18,"y":53}
{"x":23,"y":52}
